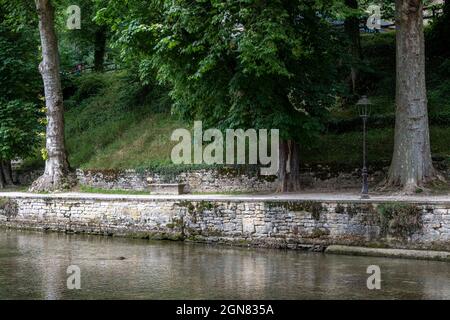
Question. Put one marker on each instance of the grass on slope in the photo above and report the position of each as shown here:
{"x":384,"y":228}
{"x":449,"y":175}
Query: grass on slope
{"x":130,"y":143}
{"x":107,"y":128}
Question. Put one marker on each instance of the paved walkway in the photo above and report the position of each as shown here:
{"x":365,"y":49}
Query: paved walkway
{"x":341,"y":197}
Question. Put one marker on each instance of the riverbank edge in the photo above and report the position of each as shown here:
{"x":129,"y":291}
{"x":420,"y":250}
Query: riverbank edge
{"x":443,"y":256}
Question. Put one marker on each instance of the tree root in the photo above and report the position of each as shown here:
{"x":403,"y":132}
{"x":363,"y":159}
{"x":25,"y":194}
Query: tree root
{"x":413,"y":188}
{"x":55,"y":183}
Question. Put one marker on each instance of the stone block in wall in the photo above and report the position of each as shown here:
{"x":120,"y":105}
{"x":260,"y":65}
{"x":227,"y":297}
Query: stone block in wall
{"x":248,"y":225}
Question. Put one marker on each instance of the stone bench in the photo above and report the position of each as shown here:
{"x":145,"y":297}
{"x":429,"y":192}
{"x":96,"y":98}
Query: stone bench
{"x":167,"y":188}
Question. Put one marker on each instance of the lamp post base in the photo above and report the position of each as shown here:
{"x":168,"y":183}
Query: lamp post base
{"x":365,"y":183}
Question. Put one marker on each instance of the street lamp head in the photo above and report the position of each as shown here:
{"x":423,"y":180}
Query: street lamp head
{"x":364,"y":105}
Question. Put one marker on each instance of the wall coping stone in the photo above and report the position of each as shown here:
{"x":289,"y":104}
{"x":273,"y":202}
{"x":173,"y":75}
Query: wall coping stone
{"x":315,"y":197}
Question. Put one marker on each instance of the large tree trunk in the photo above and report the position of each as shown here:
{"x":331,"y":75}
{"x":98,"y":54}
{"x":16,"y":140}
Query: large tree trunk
{"x":294,"y":176}
{"x":2,"y":179}
{"x":56,"y":175}
{"x":411,"y":165}
{"x":99,"y":48}
{"x":7,"y":172}
{"x":351,"y":27}
{"x":289,"y":167}
{"x":283,"y":169}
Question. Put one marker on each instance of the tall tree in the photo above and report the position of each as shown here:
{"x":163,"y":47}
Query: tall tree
{"x":2,"y":180}
{"x":56,"y":175}
{"x":411,"y":166}
{"x":100,"y":48}
{"x":351,"y":26}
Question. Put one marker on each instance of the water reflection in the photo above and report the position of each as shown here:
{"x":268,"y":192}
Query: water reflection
{"x":33,"y":266}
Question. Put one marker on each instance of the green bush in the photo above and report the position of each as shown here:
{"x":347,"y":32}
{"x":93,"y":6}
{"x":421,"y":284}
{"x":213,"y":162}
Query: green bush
{"x":19,"y":129}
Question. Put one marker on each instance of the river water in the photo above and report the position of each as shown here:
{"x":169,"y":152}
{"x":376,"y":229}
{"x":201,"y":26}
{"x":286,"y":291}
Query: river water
{"x":34,"y":266}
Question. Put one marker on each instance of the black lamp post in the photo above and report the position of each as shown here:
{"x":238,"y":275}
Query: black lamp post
{"x":364,"y":105}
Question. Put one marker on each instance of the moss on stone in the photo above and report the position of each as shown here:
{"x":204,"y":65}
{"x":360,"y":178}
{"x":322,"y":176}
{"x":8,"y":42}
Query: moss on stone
{"x":339,"y":208}
{"x":355,"y":208}
{"x":243,"y":243}
{"x":109,"y":175}
{"x":212,"y":232}
{"x":319,"y":233}
{"x":9,"y":207}
{"x":313,"y":207}
{"x":308,"y":206}
{"x":205,"y":205}
{"x":400,"y":220}
{"x":188,"y":205}
{"x":195,"y":238}
{"x":196,"y":208}
{"x":352,"y":210}
{"x":177,"y":223}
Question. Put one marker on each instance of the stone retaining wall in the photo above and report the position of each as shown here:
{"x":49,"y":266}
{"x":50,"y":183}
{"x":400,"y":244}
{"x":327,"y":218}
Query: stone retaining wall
{"x":283,"y":224}
{"x":211,"y":180}
{"x":226,"y":179}
{"x":229,"y":180}
{"x":196,"y":180}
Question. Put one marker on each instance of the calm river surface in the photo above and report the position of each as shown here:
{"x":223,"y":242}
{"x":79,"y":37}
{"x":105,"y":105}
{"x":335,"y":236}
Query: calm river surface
{"x":34,"y":265}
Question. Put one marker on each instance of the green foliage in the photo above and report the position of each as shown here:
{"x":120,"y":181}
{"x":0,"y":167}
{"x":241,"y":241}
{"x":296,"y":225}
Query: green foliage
{"x":78,"y":46}
{"x":90,"y":85}
{"x":235,"y":63}
{"x":19,"y":129}
{"x":19,"y":80}
{"x":266,"y":70}
{"x":345,"y":149}
{"x":19,"y":77}
{"x":378,"y":72}
{"x":438,"y":35}
{"x":113,"y":122}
